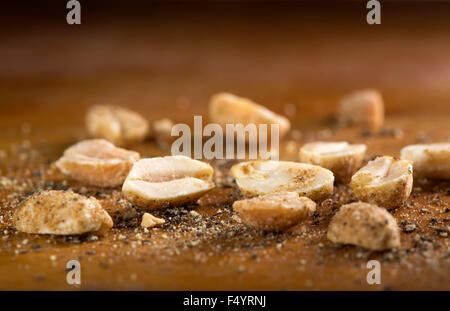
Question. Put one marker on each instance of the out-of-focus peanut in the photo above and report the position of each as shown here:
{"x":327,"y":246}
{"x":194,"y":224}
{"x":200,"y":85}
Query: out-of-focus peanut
{"x":364,"y":108}
{"x":119,"y":125}
{"x":429,"y":160}
{"x":226,"y":108}
{"x":341,"y":158}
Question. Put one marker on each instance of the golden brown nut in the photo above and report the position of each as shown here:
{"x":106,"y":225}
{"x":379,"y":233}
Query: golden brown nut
{"x":341,"y":158}
{"x":119,"y":125}
{"x":364,"y":108}
{"x":274,"y":212}
{"x":167,"y":181}
{"x":61,"y":212}
{"x":365,"y":225}
{"x":162,"y":130}
{"x":429,"y":160}
{"x":384,"y":181}
{"x":264,"y":177}
{"x":226,"y":108}
{"x":97,"y":162}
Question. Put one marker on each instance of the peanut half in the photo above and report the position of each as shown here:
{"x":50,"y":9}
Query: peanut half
{"x":226,"y":108}
{"x":429,"y":160}
{"x":264,"y":177}
{"x":365,"y":225}
{"x":384,"y":181}
{"x":61,"y":212}
{"x":119,"y":125}
{"x":161,"y":182}
{"x":364,"y":108}
{"x":341,"y":158}
{"x":274,"y":212}
{"x":97,"y":162}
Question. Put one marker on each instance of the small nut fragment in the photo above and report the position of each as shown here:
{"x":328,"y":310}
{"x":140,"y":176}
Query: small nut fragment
{"x":341,"y":158}
{"x":274,"y":212}
{"x":97,"y":162}
{"x":162,"y":129}
{"x":429,"y":160}
{"x":61,"y":212}
{"x":364,"y":108}
{"x":119,"y":125}
{"x":226,"y":108}
{"x":264,"y":177}
{"x":167,"y":181}
{"x":365,"y":225}
{"x":150,"y":221}
{"x":384,"y":181}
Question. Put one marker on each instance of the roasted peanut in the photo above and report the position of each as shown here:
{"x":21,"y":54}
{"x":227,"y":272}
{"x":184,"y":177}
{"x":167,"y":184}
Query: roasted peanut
{"x":119,"y":125}
{"x":429,"y":160}
{"x":264,"y":177}
{"x":97,"y":162}
{"x":167,"y":181}
{"x":341,"y":158}
{"x":274,"y":212}
{"x":226,"y":108}
{"x":364,"y":108}
{"x":384,"y":181}
{"x":162,"y":130}
{"x":61,"y":212}
{"x":365,"y":225}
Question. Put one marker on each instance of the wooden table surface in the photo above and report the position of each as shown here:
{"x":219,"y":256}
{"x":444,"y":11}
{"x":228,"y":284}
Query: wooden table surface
{"x":166,"y":61}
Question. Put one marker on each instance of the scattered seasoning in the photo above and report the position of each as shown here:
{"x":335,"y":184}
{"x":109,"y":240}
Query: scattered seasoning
{"x":408,"y":226}
{"x":219,"y":231}
{"x":195,"y":214}
{"x":92,"y":238}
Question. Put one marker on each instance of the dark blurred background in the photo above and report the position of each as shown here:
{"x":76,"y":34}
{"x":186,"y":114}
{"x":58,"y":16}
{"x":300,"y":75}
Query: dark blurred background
{"x":166,"y":58}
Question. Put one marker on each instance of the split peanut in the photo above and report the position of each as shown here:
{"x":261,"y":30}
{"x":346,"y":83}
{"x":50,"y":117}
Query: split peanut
{"x":274,"y":212}
{"x":429,"y":160}
{"x":226,"y":108}
{"x":384,"y":181}
{"x":364,"y":108}
{"x":97,"y":162}
{"x":264,"y":177}
{"x":118,"y":125}
{"x":365,"y":225}
{"x":341,"y":158}
{"x":161,"y":182}
{"x":62,"y":213}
